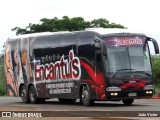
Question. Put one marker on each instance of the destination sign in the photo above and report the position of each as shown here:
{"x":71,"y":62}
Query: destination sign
{"x":124,"y":41}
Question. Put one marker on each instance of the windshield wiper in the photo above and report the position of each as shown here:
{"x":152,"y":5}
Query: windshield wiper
{"x":143,"y":72}
{"x":119,"y":71}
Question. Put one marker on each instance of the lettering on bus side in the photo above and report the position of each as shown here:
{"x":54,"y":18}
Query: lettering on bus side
{"x":64,"y":69}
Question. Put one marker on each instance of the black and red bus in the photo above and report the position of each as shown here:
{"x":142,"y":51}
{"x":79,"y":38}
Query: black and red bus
{"x":92,"y":65}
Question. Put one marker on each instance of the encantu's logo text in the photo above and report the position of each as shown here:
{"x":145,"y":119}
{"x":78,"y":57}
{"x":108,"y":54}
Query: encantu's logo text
{"x":64,"y":69}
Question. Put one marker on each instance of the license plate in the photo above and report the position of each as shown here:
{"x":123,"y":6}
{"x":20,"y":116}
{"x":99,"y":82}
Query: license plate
{"x":132,"y":94}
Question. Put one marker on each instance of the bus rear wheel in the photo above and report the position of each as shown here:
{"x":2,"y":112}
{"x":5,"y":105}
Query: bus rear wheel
{"x":24,"y":95}
{"x":33,"y":96}
{"x":128,"y":101}
{"x":86,"y":96}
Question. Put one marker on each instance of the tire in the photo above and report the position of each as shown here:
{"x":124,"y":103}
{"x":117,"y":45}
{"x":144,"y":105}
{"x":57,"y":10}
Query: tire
{"x":24,"y":95}
{"x":85,"y":97}
{"x":33,"y":96}
{"x":128,"y":101}
{"x":66,"y":100}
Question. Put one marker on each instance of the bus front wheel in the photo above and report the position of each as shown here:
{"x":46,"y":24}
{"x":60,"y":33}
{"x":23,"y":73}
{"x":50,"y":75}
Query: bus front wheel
{"x":128,"y":101}
{"x":86,"y":96}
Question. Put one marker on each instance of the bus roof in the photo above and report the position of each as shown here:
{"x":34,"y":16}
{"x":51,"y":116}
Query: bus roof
{"x":105,"y":31}
{"x":38,"y":34}
{"x":101,"y":31}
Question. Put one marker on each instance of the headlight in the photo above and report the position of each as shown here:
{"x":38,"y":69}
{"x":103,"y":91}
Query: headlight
{"x":113,"y":89}
{"x":148,"y":87}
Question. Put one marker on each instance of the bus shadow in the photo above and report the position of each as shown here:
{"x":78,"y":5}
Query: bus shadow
{"x":96,"y":104}
{"x":77,"y":103}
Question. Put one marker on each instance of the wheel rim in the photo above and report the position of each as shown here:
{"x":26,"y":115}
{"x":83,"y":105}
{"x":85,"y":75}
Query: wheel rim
{"x":23,"y":94}
{"x":32,"y":95}
{"x":85,"y":96}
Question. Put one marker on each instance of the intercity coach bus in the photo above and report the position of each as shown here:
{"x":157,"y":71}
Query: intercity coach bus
{"x":96,"y":64}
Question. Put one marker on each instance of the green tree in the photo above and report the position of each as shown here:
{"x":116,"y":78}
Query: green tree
{"x":2,"y":76}
{"x":101,"y":22}
{"x":65,"y":24}
{"x":156,"y":68}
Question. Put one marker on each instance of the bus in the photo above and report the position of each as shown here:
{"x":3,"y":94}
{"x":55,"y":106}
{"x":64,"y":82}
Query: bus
{"x":96,"y":64}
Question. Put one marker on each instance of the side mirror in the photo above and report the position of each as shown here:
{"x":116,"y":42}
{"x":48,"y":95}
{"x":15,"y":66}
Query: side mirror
{"x":104,"y":49}
{"x":156,"y":47}
{"x":155,"y":44}
{"x":101,"y":45}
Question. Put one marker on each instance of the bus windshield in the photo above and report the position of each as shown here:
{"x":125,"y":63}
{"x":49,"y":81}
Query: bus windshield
{"x":128,"y":62}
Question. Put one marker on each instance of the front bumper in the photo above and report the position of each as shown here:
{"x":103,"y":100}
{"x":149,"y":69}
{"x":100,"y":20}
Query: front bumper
{"x":128,"y":94}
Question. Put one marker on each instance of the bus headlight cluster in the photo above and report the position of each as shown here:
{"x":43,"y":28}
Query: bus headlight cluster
{"x":114,"y":94}
{"x":113,"y":89}
{"x":148,"y":92}
{"x":149,"y":87}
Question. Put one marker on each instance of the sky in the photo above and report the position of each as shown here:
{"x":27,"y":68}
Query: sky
{"x":141,"y":15}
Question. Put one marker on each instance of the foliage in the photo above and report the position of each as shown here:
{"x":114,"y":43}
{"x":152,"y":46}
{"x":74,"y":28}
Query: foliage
{"x":2,"y":76}
{"x":156,"y":68}
{"x":65,"y":24}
